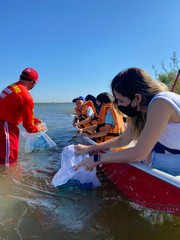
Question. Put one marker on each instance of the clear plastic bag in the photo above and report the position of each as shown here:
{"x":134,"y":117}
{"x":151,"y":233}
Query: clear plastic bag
{"x":67,"y":174}
{"x":38,"y":141}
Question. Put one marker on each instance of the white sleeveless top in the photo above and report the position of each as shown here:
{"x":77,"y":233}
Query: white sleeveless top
{"x":171,"y":135}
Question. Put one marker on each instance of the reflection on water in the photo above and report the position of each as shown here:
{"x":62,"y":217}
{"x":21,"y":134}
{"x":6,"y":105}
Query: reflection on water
{"x":30,"y":208}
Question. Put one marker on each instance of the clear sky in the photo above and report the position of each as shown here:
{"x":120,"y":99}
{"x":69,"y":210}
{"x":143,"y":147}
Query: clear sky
{"x":78,"y":46}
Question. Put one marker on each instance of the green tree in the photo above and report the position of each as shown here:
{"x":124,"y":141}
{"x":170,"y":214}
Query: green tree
{"x":168,"y":76}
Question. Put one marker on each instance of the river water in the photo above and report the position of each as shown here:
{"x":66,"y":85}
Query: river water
{"x":31,"y":208}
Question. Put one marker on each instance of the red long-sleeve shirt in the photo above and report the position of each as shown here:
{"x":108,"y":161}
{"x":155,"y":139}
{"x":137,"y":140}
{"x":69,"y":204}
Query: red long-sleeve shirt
{"x":17,"y":105}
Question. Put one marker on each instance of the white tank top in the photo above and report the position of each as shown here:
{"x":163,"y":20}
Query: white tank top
{"x":171,"y":135}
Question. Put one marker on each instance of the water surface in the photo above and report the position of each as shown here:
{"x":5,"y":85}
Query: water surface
{"x":31,"y":208}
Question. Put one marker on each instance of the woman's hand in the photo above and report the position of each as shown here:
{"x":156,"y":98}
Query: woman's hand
{"x":88,"y":163}
{"x":81,"y":149}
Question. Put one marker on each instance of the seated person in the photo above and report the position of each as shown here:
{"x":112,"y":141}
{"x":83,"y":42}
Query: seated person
{"x":93,"y":99}
{"x":86,"y":113}
{"x":155,"y":124}
{"x":110,"y":123}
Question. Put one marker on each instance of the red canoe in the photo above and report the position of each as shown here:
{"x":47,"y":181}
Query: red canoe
{"x":145,"y":186}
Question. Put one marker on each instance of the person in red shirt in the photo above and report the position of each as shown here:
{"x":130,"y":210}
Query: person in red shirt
{"x":16,"y":106}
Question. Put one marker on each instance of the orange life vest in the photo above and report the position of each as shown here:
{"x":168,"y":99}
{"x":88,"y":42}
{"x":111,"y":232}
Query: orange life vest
{"x":115,"y":131}
{"x":82,"y":114}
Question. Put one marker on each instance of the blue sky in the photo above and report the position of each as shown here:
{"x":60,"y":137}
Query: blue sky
{"x":78,"y":46}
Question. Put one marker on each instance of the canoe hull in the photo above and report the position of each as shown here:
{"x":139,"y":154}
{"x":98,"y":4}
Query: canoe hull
{"x":143,"y":188}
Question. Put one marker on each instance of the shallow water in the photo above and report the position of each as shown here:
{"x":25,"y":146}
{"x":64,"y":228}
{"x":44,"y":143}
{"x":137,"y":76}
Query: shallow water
{"x":30,"y":208}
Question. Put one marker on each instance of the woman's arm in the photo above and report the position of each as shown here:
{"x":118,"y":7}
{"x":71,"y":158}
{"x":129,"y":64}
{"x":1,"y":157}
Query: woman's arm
{"x":90,"y":128}
{"x":86,"y":120}
{"x":120,"y":141}
{"x":109,"y":122}
{"x":102,"y":133}
{"x":159,"y":114}
{"x":158,"y":117}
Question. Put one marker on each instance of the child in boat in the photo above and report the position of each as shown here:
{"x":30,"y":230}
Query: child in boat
{"x":93,"y":99}
{"x":86,"y":113}
{"x":154,"y":122}
{"x":110,"y":123}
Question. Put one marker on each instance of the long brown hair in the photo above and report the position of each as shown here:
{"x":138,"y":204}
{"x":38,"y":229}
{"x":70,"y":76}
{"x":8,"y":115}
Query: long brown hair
{"x":134,"y":81}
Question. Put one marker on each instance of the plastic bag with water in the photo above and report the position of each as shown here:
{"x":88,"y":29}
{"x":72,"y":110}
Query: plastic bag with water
{"x":38,"y":141}
{"x":67,"y":175}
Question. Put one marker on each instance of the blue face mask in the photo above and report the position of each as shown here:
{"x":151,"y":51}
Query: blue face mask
{"x":128,"y":110}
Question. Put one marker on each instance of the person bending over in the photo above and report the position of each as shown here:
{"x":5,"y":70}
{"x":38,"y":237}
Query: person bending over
{"x":154,"y":123}
{"x":17,"y":106}
{"x":86,"y":114}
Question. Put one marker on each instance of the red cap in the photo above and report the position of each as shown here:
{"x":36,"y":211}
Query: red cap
{"x":30,"y":74}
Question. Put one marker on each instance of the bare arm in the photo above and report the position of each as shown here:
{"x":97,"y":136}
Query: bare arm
{"x":120,"y":141}
{"x":87,"y":120}
{"x":91,"y":128}
{"x":102,"y":133}
{"x":159,"y":114}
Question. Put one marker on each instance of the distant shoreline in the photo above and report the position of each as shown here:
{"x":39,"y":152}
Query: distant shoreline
{"x":37,"y":103}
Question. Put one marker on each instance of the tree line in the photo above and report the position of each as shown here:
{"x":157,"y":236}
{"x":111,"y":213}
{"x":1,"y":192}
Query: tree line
{"x":168,"y":76}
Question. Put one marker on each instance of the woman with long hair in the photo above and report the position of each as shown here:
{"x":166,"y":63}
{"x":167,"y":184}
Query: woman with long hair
{"x":154,"y":122}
